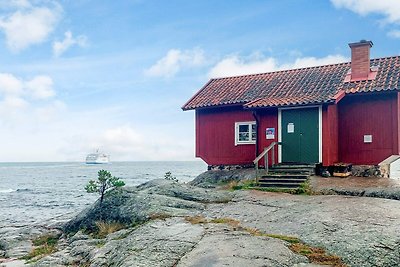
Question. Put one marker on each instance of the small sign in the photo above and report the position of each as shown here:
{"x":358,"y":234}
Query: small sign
{"x":368,"y":138}
{"x":270,"y":133}
{"x":290,"y":127}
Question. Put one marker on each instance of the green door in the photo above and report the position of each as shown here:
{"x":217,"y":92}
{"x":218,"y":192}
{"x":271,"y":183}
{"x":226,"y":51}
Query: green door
{"x":300,"y":135}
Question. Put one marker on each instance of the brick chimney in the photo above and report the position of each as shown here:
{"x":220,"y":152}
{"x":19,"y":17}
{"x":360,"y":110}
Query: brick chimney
{"x":360,"y":60}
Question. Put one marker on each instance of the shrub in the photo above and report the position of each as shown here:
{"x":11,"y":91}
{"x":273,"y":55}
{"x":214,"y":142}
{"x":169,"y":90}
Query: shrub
{"x":168,"y":176}
{"x":103,"y":183}
{"x":106,"y":228}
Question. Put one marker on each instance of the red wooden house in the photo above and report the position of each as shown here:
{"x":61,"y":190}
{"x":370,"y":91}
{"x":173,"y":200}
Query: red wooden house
{"x":346,"y":112}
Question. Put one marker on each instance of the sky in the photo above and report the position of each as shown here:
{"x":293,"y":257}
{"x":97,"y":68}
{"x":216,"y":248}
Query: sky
{"x":80,"y":75}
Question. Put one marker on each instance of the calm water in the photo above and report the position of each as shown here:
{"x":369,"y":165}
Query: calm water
{"x":33,"y":192}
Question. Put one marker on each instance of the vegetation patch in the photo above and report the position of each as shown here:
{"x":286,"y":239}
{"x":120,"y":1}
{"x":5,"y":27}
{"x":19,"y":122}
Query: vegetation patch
{"x":304,"y":189}
{"x":196,"y":219}
{"x":317,"y":255}
{"x":229,"y":221}
{"x":100,"y":244}
{"x":160,"y":216}
{"x":168,"y":176}
{"x":43,"y":245}
{"x":238,"y":185}
{"x":106,"y":228}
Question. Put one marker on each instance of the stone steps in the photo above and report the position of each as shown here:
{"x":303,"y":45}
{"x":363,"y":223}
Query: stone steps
{"x":286,"y":176}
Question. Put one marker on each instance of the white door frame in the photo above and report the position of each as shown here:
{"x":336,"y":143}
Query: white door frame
{"x":319,"y":130}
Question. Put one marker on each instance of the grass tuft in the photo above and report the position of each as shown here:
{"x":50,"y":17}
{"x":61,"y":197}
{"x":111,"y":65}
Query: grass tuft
{"x":229,"y":221}
{"x":160,"y":216}
{"x":43,"y":245}
{"x":317,"y":255}
{"x":196,"y":219}
{"x":106,"y":228}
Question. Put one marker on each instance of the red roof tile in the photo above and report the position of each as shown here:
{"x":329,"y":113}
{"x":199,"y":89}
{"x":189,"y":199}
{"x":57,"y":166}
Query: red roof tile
{"x":314,"y":85}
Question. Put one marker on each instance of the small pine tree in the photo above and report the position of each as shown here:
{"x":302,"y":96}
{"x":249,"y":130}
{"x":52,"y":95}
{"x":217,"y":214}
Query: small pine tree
{"x":103,"y":183}
{"x":168,"y":176}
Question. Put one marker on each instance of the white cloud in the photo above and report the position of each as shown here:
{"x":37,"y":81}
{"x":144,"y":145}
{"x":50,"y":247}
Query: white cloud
{"x":59,"y":47}
{"x":394,"y":34}
{"x":15,"y":4}
{"x":28,"y":26}
{"x":50,"y":111}
{"x":10,"y":85}
{"x":17,"y":94}
{"x":390,"y":9}
{"x":175,"y":60}
{"x":40,"y":87}
{"x":129,"y":143}
{"x":235,"y":65}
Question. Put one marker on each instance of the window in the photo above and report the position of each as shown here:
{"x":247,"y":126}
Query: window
{"x":245,"y":132}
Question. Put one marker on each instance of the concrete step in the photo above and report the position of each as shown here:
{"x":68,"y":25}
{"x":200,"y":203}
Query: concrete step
{"x":285,"y":176}
{"x":281,"y":180}
{"x":279,"y":185}
{"x":290,"y":170}
{"x":294,"y":166}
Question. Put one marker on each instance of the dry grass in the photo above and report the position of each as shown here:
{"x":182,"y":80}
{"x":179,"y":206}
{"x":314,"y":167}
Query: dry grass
{"x":159,"y":216}
{"x":196,"y":219}
{"x":229,"y":221}
{"x":230,"y":185}
{"x":317,"y":255}
{"x":106,"y":228}
{"x":43,"y":245}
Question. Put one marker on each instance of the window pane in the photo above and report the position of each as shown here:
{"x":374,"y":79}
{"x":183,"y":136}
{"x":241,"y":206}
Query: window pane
{"x":244,"y":134}
{"x":243,"y":128}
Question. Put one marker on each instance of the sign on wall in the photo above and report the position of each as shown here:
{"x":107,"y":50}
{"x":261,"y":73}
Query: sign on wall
{"x":270,"y":133}
{"x":290,"y":127}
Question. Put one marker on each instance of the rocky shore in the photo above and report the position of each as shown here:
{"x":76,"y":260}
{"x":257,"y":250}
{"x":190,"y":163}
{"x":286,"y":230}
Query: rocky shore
{"x":164,"y":223}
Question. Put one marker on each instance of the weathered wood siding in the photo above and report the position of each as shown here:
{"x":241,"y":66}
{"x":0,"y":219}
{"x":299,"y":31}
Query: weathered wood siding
{"x":374,"y":114}
{"x":215,"y":136}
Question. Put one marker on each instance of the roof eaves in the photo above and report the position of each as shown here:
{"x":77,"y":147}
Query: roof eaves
{"x":184,"y":107}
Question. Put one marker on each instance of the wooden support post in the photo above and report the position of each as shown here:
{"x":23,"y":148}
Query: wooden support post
{"x":273,"y":156}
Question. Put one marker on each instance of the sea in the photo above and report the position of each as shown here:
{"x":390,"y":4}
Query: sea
{"x":31,"y":193}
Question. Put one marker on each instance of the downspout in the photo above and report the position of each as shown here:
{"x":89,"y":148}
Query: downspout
{"x":257,"y":131}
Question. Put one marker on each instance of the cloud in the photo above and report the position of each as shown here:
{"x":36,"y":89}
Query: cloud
{"x":16,"y":94}
{"x":390,"y":9}
{"x":234,"y":65}
{"x":40,"y":87}
{"x":175,"y":60}
{"x":394,"y":34}
{"x":29,"y":26}
{"x":49,"y":111}
{"x":10,"y":85}
{"x":59,"y":47}
{"x":126,"y":142}
{"x":15,"y":4}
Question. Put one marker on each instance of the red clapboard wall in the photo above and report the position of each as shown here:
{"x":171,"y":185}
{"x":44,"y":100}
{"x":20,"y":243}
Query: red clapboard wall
{"x":375,"y":115}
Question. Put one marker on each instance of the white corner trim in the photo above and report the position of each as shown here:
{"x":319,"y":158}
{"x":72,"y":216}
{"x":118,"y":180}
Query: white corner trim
{"x":279,"y":135}
{"x":320,"y":132}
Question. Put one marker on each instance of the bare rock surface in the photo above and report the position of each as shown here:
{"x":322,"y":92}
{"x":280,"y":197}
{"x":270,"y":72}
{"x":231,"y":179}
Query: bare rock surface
{"x":357,"y":186}
{"x":212,"y":178}
{"x":134,"y":205}
{"x":222,"y":247}
{"x":362,"y":231}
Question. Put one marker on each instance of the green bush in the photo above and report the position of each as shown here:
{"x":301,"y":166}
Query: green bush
{"x":168,"y":176}
{"x":104,"y":182}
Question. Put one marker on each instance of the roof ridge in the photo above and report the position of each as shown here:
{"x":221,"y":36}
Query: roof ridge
{"x":296,"y":69}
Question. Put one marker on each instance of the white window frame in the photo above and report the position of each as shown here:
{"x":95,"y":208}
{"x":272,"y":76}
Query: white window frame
{"x":249,"y":123}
